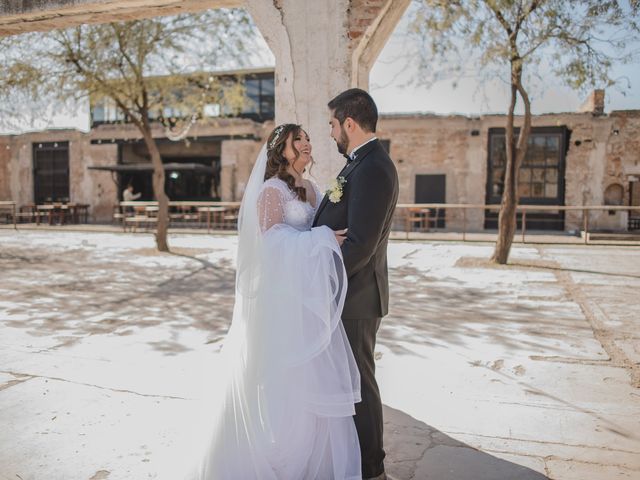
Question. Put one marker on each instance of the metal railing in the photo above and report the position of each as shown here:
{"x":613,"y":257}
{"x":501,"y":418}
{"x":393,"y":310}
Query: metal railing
{"x":409,"y":217}
{"x":432,"y":214}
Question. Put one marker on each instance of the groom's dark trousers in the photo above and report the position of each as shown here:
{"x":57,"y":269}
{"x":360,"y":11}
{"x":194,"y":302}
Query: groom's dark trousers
{"x":366,"y":208}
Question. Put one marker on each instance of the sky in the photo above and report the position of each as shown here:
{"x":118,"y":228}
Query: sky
{"x":392,"y":87}
{"x":392,"y":75}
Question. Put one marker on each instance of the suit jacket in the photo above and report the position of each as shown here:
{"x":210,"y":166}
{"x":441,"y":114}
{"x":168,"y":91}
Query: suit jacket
{"x":366,"y":208}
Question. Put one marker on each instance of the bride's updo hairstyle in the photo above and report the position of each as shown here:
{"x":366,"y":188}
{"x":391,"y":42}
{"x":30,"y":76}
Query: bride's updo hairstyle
{"x":277,"y":163}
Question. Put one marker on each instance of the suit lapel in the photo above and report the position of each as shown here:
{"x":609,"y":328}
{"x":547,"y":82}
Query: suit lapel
{"x":346,"y":171}
{"x":323,"y":203}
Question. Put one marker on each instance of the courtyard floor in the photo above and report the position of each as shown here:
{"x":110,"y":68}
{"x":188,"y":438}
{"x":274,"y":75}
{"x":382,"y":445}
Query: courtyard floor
{"x":528,"y":371}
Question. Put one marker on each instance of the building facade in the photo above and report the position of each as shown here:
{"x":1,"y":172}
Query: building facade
{"x":585,"y":158}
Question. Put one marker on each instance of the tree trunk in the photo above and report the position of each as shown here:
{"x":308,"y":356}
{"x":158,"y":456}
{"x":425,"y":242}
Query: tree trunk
{"x":158,"y":190}
{"x":508,"y":205}
{"x":507,"y":218}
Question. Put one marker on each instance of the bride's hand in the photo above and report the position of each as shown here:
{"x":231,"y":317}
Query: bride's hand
{"x":341,"y":235}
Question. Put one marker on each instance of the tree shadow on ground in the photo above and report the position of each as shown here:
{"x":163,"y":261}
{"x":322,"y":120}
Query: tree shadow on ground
{"x":76,"y":292}
{"x":417,"y":451}
{"x":433,"y":311}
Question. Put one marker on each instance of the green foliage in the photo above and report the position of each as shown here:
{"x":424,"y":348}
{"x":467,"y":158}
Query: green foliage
{"x":143,"y":66}
{"x":578,"y":40}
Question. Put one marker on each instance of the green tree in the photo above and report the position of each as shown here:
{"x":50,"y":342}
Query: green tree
{"x":577,"y":40}
{"x":143,"y":66}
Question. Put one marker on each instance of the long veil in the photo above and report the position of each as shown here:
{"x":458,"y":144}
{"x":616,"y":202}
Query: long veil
{"x":248,"y":265}
{"x":291,"y":380}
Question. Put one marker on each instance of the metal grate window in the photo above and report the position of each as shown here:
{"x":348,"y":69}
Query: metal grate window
{"x":51,"y":172}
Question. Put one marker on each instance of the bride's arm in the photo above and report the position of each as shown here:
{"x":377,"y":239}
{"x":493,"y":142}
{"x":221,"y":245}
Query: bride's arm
{"x":270,"y":208}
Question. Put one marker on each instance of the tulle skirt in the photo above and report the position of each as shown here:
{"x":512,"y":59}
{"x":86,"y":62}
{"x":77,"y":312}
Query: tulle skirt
{"x":286,"y":404}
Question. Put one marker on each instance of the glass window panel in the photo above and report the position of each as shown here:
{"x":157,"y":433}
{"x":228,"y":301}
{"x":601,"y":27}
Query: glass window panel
{"x":537,"y":190}
{"x":551,"y":190}
{"x":524,"y":190}
{"x":552,"y":175}
{"x":524,"y":175}
{"x":252,"y":94}
{"x":498,"y":153}
{"x":533,"y":157}
{"x":267,"y":107}
{"x":497,"y":181}
{"x":212,"y":110}
{"x":537,"y":174}
{"x":268,"y":87}
{"x":98,"y":113}
{"x":539,"y":141}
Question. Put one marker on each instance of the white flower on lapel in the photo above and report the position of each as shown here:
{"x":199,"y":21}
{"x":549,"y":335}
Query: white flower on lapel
{"x":335,"y":190}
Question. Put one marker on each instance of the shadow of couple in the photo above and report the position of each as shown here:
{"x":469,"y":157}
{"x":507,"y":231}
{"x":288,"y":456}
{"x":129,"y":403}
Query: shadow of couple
{"x":418,"y":451}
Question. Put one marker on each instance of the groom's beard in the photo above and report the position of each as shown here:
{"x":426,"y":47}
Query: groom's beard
{"x":343,"y":142}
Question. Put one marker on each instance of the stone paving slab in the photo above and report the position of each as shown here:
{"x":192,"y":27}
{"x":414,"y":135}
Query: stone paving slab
{"x":519,"y":372}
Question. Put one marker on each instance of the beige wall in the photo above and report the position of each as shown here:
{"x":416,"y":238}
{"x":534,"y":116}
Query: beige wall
{"x":596,"y":158}
{"x":430,"y":144}
{"x":420,"y":144}
{"x":238,"y":158}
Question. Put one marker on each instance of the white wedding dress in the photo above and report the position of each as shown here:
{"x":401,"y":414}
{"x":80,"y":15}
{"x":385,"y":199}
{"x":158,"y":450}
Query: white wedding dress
{"x":288,"y":399}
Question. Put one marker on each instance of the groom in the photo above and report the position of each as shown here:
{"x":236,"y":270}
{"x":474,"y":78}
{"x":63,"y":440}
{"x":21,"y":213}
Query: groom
{"x":365,"y":206}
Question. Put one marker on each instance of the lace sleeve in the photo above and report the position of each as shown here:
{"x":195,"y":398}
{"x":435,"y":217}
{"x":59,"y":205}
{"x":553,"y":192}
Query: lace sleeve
{"x":270,"y":208}
{"x":319,"y":194}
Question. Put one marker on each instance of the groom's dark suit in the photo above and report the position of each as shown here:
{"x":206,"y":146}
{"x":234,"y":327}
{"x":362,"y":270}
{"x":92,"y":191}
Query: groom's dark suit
{"x":366,"y":209}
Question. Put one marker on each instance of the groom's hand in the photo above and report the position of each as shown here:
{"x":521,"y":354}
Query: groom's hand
{"x":341,"y":235}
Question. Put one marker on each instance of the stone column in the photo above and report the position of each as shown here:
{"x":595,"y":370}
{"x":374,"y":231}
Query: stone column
{"x":5,"y":159}
{"x":236,"y":161}
{"x":321,"y":48}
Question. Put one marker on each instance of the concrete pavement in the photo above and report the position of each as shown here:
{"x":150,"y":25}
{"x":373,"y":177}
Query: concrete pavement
{"x":522,"y":372}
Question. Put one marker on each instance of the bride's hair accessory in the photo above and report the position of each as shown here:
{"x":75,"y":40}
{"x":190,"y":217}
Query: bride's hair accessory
{"x":276,"y":136}
{"x":277,"y":164}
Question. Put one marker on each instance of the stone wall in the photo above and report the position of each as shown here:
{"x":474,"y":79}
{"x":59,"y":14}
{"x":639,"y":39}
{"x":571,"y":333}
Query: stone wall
{"x":603,"y":151}
{"x":238,"y":158}
{"x":429,"y":144}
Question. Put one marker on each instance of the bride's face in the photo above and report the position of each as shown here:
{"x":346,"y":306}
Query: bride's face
{"x":300,"y":144}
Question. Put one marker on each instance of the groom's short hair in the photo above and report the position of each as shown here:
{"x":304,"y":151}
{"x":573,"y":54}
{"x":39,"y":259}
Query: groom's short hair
{"x":357,"y":104}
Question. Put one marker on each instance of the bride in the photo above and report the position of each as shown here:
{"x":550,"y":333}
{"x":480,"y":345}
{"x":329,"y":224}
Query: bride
{"x":292,"y":379}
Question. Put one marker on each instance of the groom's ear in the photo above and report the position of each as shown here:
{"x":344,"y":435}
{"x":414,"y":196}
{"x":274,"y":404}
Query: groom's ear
{"x":349,"y":124}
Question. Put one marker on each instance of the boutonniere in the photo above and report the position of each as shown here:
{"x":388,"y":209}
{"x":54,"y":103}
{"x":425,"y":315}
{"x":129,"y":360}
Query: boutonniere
{"x":335,"y":190}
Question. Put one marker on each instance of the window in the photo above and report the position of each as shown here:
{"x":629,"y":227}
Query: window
{"x":51,"y":172}
{"x":541,"y":176}
{"x":538,"y":178}
{"x":267,"y":97}
{"x":260,"y":97}
{"x":259,"y":102}
{"x":252,"y":94}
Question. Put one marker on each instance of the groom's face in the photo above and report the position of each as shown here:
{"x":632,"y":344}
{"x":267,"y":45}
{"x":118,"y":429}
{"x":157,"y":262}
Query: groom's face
{"x":339,"y":134}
